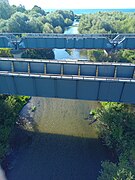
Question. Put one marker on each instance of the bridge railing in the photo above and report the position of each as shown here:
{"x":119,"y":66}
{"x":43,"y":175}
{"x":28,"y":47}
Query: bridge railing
{"x":67,"y":68}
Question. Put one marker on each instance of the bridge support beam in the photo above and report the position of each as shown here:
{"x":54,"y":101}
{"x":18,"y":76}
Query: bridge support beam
{"x":67,"y":87}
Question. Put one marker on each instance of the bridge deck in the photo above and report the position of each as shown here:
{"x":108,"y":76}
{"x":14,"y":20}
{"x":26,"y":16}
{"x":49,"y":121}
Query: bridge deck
{"x":68,"y":79}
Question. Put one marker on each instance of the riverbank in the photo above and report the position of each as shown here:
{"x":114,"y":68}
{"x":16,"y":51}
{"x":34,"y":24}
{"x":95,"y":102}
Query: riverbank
{"x":10,"y":107}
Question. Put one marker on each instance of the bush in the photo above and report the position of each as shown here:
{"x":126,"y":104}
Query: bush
{"x":10,"y":107}
{"x":5,"y":52}
{"x":117,"y":129}
{"x":112,"y":171}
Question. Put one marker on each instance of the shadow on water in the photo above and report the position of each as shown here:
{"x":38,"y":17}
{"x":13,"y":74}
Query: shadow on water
{"x":44,"y":156}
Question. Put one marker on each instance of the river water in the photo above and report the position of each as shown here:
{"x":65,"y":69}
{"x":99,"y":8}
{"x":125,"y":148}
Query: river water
{"x":61,"y":145}
{"x":71,"y":54}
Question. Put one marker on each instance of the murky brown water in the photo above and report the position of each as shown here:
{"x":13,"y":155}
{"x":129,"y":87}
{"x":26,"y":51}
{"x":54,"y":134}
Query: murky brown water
{"x":67,"y":117}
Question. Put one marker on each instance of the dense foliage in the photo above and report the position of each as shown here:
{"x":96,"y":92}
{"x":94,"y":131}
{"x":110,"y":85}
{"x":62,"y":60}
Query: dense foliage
{"x":38,"y":54}
{"x":117,"y":129}
{"x":109,"y":22}
{"x":5,"y":52}
{"x":18,"y":19}
{"x":9,"y":110}
{"x":125,"y":56}
{"x":111,"y":171}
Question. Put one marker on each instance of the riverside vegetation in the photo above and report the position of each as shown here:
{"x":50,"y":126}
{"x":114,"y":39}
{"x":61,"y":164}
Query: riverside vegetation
{"x":116,"y":122}
{"x":10,"y":107}
{"x":108,"y":22}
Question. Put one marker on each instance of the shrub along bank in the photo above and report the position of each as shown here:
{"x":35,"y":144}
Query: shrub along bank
{"x":116,"y":124}
{"x":10,"y":107}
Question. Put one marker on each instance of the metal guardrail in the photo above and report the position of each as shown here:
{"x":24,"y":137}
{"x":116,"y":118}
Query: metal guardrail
{"x":74,"y":69}
{"x":67,"y":35}
{"x":66,"y":61}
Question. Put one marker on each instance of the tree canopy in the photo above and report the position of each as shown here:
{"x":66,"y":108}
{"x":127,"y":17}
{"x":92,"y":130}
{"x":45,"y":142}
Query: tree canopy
{"x":18,"y":19}
{"x":117,"y":129}
{"x":108,"y":22}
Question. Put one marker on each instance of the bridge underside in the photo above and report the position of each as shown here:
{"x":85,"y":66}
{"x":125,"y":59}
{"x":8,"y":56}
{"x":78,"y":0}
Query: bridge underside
{"x":68,"y":79}
{"x":68,"y":87}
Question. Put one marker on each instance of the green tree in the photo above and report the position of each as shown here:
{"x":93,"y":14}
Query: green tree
{"x":35,"y":25}
{"x":18,"y":23}
{"x":117,"y":126}
{"x":107,"y":22}
{"x":58,"y":29}
{"x":68,"y":22}
{"x":66,"y":14}
{"x":5,"y":10}
{"x":19,"y":8}
{"x":19,"y":20}
{"x":48,"y":28}
{"x":117,"y":129}
{"x":5,"y":52}
{"x":38,"y":10}
{"x":3,"y":25}
{"x":34,"y":14}
{"x":9,"y":111}
{"x":112,"y":171}
{"x":55,"y":19}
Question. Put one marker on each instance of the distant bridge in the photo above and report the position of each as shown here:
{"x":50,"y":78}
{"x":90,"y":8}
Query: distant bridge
{"x":69,"y":41}
{"x":68,"y":79}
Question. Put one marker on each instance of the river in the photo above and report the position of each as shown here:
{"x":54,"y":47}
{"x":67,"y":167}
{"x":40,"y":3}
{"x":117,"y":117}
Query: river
{"x":61,"y":145}
{"x":71,"y":54}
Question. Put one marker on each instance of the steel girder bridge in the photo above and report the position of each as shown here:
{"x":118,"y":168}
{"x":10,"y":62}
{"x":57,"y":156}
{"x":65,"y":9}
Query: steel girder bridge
{"x":68,"y":79}
{"x":71,"y":41}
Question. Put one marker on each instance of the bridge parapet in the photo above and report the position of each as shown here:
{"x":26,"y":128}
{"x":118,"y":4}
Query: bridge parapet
{"x":67,"y":67}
